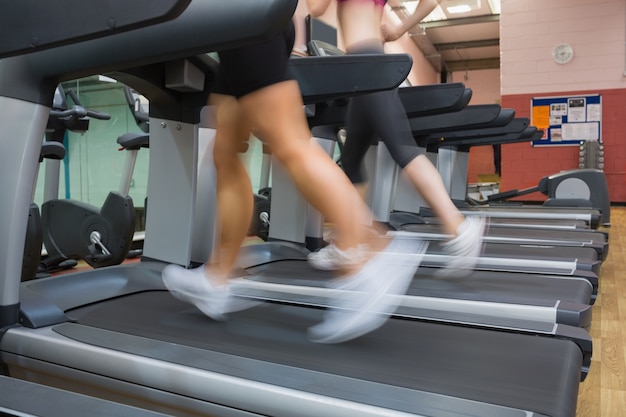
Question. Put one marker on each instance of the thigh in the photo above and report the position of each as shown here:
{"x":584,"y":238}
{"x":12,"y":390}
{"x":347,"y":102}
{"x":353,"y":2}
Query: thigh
{"x":232,"y":128}
{"x":250,"y":68}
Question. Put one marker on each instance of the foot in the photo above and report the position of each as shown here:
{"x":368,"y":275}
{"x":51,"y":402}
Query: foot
{"x":466,"y":247}
{"x":196,"y":287}
{"x":331,"y":258}
{"x":366,"y":299}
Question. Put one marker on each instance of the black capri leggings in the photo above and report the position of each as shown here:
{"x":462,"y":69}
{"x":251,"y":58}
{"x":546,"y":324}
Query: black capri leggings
{"x":250,"y":68}
{"x":372,"y":116}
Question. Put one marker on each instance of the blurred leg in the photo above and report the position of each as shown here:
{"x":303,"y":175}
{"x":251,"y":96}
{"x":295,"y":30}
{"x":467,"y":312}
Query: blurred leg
{"x":365,"y":300}
{"x":206,"y":287}
{"x":234,"y":191}
{"x":428,"y":183}
{"x":276,"y":113}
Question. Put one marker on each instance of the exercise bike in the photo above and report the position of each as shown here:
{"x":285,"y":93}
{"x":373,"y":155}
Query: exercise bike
{"x":101,"y":236}
{"x":31,"y":264}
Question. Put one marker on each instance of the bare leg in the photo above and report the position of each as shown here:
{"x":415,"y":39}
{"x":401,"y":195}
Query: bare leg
{"x":428,"y":183}
{"x":234,"y":192}
{"x":276,"y":112}
{"x":207,"y":287}
{"x":362,"y":190}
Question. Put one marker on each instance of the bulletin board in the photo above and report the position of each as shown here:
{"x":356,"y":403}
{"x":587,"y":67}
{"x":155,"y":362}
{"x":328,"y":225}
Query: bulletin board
{"x":567,"y":121}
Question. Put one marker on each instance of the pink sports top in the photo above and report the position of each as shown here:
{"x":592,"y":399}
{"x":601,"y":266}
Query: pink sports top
{"x":378,"y":2}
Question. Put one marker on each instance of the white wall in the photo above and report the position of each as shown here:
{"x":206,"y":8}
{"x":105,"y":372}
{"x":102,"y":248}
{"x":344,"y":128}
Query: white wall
{"x":485,"y":84}
{"x":529,"y":30}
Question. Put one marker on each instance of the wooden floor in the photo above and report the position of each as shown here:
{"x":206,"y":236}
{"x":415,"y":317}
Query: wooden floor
{"x":603,"y":393}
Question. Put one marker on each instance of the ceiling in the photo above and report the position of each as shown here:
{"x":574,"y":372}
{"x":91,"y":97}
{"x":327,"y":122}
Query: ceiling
{"x":463,"y":41}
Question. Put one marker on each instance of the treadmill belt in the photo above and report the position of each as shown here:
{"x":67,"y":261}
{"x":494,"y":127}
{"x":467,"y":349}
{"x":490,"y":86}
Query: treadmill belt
{"x":525,"y":372}
{"x":546,"y":252}
{"x":505,"y":287}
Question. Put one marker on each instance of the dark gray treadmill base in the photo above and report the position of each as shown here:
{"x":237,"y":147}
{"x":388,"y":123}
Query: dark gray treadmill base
{"x":595,"y":241}
{"x":524,"y":213}
{"x":586,"y":257}
{"x":583,"y":258}
{"x":257,"y":258}
{"x":24,"y":397}
{"x":522,"y":372}
{"x":575,"y":225}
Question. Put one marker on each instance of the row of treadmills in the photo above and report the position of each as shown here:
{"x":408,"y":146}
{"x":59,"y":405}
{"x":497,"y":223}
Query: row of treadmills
{"x":509,"y":339}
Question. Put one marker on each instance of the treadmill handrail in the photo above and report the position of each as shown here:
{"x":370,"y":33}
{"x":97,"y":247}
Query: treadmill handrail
{"x":51,"y":24}
{"x":515,"y":126}
{"x":529,"y":317}
{"x":204,"y":26}
{"x":512,"y":264}
{"x":473,"y":116}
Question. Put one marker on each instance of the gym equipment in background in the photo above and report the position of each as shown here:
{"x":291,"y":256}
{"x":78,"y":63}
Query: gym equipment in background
{"x":583,"y":188}
{"x":31,"y":264}
{"x":60,"y":120}
{"x":100,"y":236}
{"x":541,"y":374}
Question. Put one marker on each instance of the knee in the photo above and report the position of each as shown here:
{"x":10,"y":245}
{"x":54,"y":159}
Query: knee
{"x":227,"y":155}
{"x":317,"y":8}
{"x":285,"y":153}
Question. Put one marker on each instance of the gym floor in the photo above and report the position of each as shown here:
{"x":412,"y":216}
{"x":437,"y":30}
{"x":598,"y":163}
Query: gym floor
{"x":603,"y":393}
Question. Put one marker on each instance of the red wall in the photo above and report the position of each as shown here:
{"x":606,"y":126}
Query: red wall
{"x":480,"y":163}
{"x":523,"y":165}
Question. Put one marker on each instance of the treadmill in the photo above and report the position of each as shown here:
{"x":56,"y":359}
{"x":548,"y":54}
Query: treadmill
{"x":449,"y":150}
{"x":115,"y":332}
{"x":143,"y":347}
{"x":21,"y":398}
{"x":559,"y":243}
{"x":442,"y":132}
{"x":519,"y":248}
{"x":534,"y":276}
{"x":440,"y":109}
{"x":523,"y":250}
{"x":437,"y":134}
{"x":430,"y":108}
{"x":282,"y":270}
{"x":492,"y":283}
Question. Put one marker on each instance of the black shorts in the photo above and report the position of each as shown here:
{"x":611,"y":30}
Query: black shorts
{"x":250,"y":68}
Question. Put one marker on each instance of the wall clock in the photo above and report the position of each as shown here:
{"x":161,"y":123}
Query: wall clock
{"x":562,"y":53}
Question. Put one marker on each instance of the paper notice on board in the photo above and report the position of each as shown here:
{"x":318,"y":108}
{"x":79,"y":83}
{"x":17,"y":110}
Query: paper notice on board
{"x":558,"y":109}
{"x":541,"y":117}
{"x":594,"y":112}
{"x":576,"y":110}
{"x":556,"y":134}
{"x":580,"y":131}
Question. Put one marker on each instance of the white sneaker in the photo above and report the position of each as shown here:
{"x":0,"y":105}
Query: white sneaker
{"x":331,"y":258}
{"x":466,"y":248}
{"x":366,"y":300}
{"x":194,"y":286}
